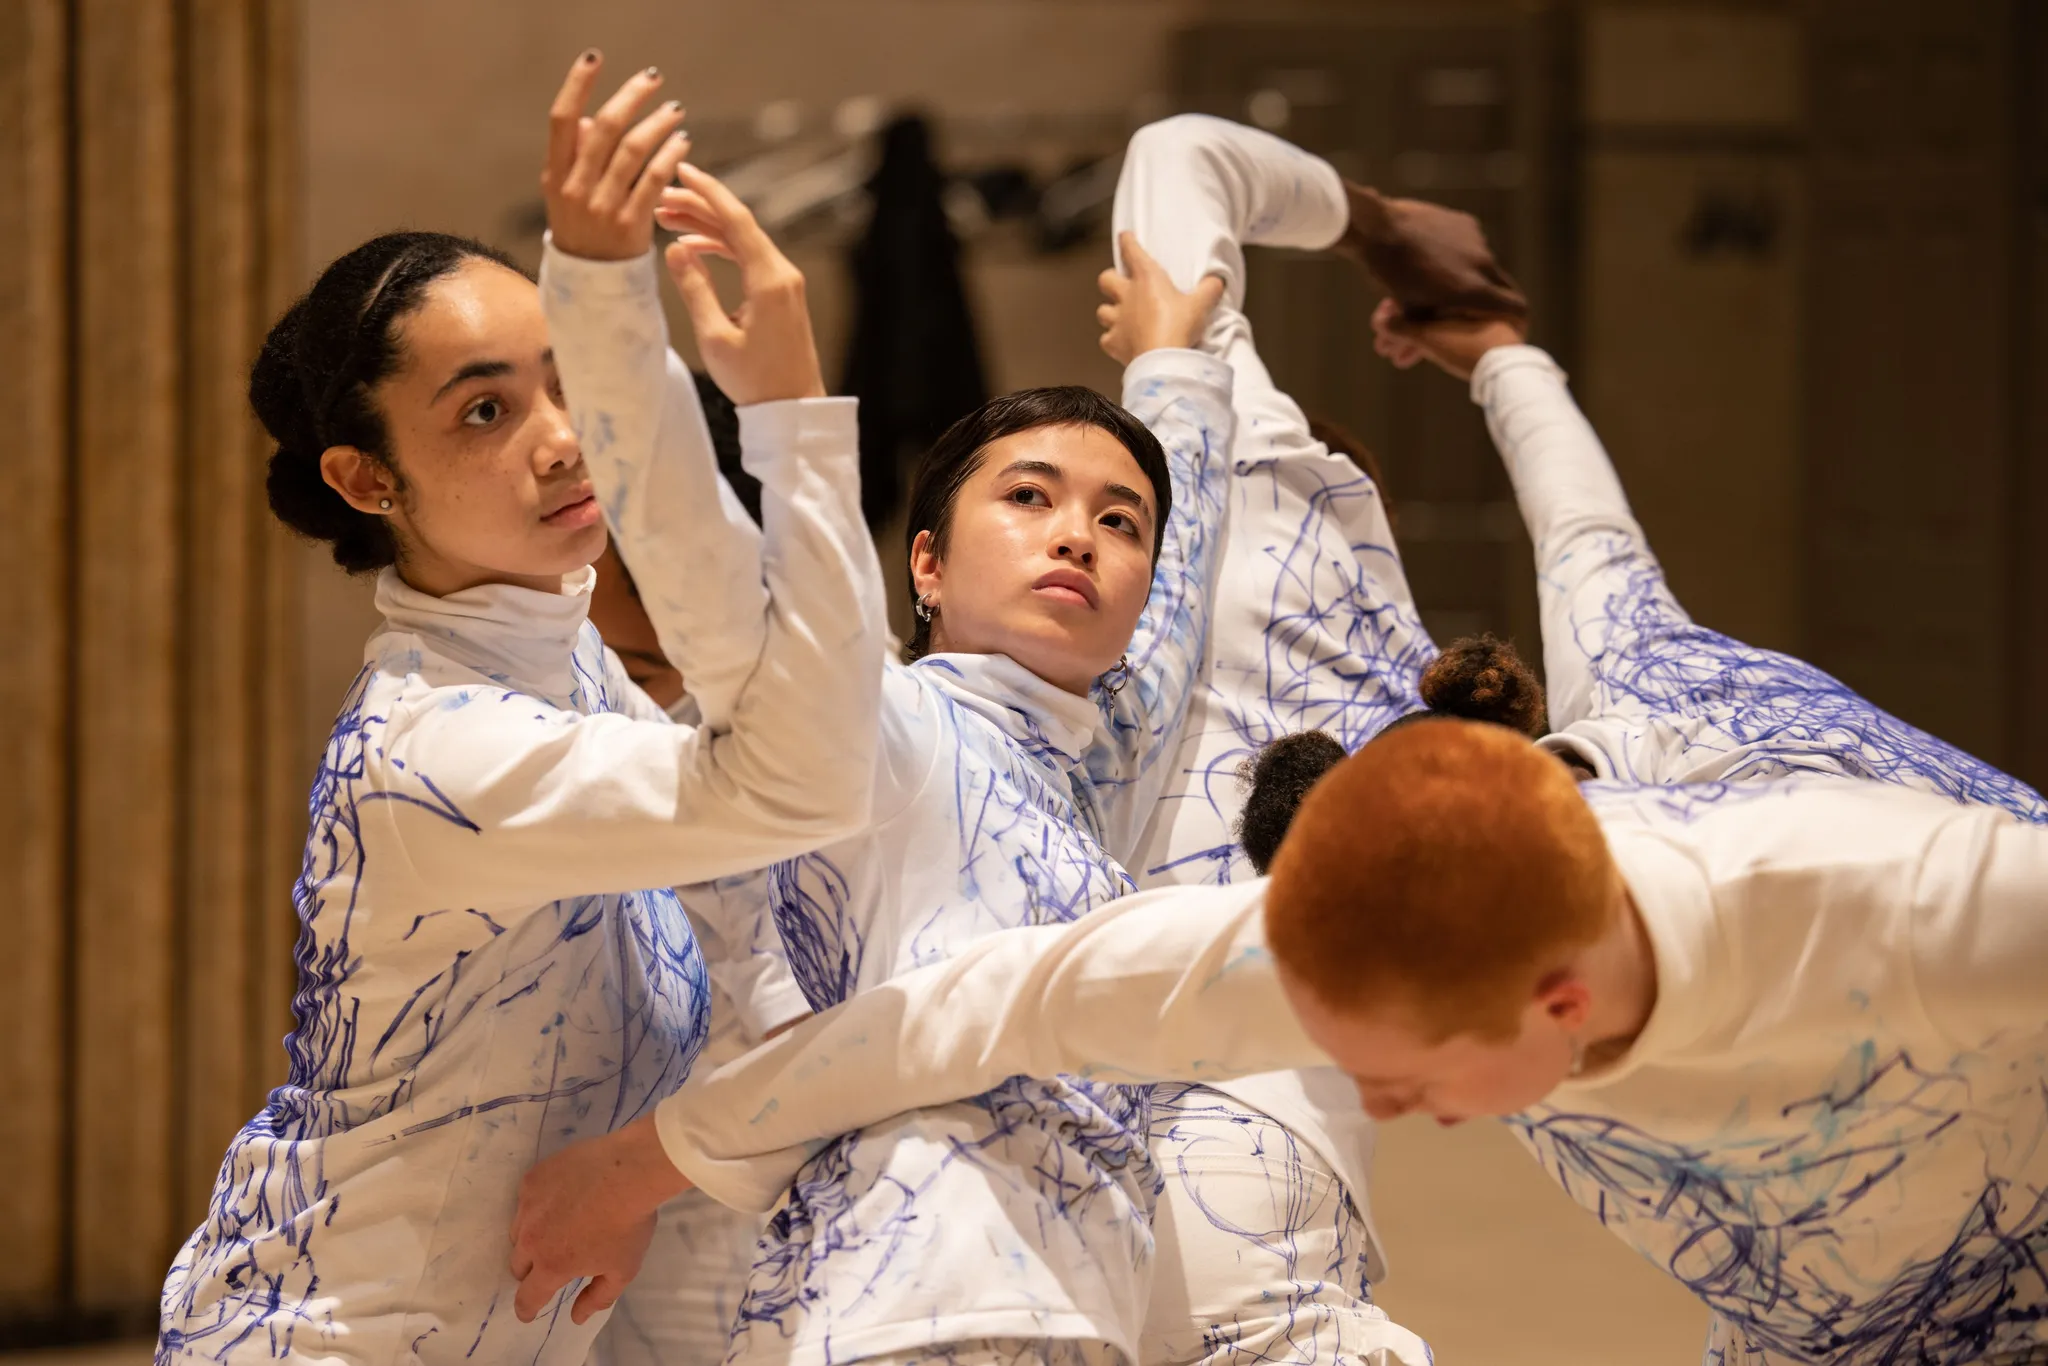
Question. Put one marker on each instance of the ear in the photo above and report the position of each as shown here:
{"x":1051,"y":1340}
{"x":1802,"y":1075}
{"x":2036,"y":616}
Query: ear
{"x":1566,"y":1000}
{"x":362,"y":482}
{"x":926,"y":570}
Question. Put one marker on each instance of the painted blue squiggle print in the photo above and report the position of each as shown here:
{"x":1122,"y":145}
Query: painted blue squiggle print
{"x":436,"y":1053}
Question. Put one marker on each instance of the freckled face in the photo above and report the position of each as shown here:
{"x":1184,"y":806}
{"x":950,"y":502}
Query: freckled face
{"x":1048,"y":557}
{"x":496,"y":489}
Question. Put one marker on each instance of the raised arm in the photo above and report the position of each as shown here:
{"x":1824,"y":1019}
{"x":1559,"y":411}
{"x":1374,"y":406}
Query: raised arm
{"x":1184,"y":398}
{"x":1597,"y":581}
{"x":498,"y":804}
{"x":501,"y":804}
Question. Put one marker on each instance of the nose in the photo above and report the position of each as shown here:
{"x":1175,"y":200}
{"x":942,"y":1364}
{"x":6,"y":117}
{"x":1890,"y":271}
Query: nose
{"x":1075,"y":544}
{"x":1382,"y":1106}
{"x":558,"y":447}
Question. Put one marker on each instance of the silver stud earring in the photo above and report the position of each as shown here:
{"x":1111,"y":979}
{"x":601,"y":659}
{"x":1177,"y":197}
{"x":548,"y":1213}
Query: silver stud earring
{"x":384,"y":503}
{"x":1113,"y":682}
{"x":924,"y":609}
{"x":1578,"y":1058}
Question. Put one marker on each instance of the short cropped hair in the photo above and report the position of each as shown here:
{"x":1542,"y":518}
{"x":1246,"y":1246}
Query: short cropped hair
{"x":1443,"y":871}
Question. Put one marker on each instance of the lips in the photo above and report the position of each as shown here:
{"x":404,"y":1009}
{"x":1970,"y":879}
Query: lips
{"x":577,"y":506}
{"x":1068,"y":585}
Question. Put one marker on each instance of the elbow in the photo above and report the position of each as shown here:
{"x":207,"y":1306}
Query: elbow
{"x":1177,"y":140}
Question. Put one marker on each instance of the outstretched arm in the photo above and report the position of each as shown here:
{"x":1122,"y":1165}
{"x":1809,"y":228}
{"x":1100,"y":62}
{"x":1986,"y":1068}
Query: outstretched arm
{"x":1174,"y":984}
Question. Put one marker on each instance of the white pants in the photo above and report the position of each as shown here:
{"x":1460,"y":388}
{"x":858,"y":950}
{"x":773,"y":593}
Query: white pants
{"x":679,"y":1310}
{"x":1261,"y":1255}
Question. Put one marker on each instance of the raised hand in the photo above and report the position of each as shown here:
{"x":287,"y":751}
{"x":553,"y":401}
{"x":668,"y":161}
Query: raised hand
{"x":763,"y":350}
{"x":605,"y":172}
{"x":1146,"y":312}
{"x":589,"y":1211}
{"x":1453,"y":345}
{"x":1433,"y":259}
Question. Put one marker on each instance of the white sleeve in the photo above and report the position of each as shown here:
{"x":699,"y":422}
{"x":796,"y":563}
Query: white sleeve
{"x":1600,"y":589}
{"x":506,"y":805}
{"x":693,"y":551}
{"x":1980,"y":926}
{"x":1172,"y":984}
{"x":735,"y":926}
{"x":1184,"y":398}
{"x":629,"y":697}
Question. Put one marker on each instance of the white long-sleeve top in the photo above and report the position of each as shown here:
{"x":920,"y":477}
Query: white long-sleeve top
{"x":999,"y":801}
{"x":1314,"y":626}
{"x":1833,"y":1129}
{"x":1637,"y":689}
{"x":491,"y":961}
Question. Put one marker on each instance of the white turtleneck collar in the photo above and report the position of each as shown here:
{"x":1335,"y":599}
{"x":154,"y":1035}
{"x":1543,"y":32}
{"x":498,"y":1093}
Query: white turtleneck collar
{"x":1047,"y":720}
{"x":519,"y":637}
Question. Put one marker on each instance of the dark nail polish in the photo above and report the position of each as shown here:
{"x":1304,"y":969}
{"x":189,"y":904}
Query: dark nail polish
{"x":653,"y":73}
{"x":674,"y":106}
{"x":589,"y":56}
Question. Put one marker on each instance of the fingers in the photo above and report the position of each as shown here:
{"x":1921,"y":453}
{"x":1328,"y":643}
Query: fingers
{"x":659,"y":171}
{"x":622,"y":174}
{"x":703,"y":244}
{"x":566,"y":114}
{"x":1137,"y":261}
{"x":536,"y":1288}
{"x":1106,"y":315}
{"x":599,"y":136}
{"x":1112,"y":284}
{"x":762,"y":264}
{"x":1208,"y":290}
{"x":693,"y":282}
{"x":600,"y":1295}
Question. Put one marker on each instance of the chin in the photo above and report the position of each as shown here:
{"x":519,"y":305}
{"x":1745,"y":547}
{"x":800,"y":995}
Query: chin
{"x":579,"y":550}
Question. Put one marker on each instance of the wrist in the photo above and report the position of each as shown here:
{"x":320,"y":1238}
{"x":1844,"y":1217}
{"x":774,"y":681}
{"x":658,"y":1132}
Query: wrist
{"x":648,"y":1178}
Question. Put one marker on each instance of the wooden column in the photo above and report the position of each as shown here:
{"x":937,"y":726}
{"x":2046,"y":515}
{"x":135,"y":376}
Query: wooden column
{"x":1910,"y":405}
{"x":34,"y":696}
{"x":149,"y":831}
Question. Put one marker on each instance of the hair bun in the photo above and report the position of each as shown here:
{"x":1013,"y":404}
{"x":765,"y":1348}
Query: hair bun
{"x":1482,"y":678}
{"x":1280,"y":776}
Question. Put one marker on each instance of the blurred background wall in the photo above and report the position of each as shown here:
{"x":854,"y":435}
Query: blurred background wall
{"x":1795,"y":255}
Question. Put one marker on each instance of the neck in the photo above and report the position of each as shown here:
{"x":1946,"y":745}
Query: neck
{"x":438,"y":578}
{"x":1621,"y":969}
{"x":938,"y":644}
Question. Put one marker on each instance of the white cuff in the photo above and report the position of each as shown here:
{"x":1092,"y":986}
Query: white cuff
{"x":1172,"y":365}
{"x":1503,"y":359}
{"x":816,"y":428}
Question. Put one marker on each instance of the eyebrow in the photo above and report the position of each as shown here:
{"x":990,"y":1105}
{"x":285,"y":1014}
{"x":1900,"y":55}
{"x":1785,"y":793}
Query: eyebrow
{"x":484,"y":369}
{"x":1052,"y":471}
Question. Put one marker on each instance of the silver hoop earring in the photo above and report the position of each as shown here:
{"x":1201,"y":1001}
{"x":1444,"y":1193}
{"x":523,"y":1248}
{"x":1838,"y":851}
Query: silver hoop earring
{"x":384,"y":503}
{"x":924,"y":610}
{"x":1578,"y":1058}
{"x":1113,"y":682}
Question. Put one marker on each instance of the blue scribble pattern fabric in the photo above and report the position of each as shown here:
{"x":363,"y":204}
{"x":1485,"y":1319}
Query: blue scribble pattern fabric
{"x":1022,"y":1213}
{"x":1893,"y":1210}
{"x":441,"y":1047}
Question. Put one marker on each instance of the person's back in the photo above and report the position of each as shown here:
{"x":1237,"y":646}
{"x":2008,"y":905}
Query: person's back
{"x":1831,"y":1130}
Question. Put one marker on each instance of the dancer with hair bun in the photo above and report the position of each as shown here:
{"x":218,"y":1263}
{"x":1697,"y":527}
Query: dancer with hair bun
{"x":491,"y":961}
{"x":1764,"y":998}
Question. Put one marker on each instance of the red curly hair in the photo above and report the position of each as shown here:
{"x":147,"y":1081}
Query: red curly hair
{"x":1444,"y":870}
